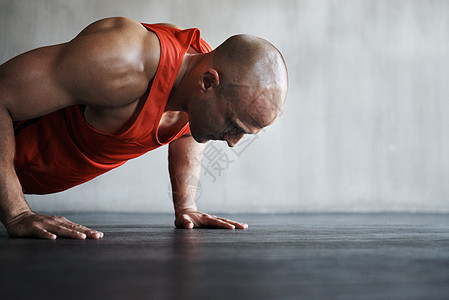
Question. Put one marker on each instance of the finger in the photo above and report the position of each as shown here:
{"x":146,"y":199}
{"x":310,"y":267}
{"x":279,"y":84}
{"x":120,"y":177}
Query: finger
{"x":187,"y":222}
{"x":90,"y":233}
{"x":60,"y":230}
{"x":237,"y":225}
{"x":44,"y":234}
{"x":95,"y":235}
{"x":216,"y":222}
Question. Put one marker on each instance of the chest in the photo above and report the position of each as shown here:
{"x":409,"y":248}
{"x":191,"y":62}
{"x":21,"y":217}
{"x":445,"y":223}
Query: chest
{"x":112,"y":120}
{"x":118,"y":120}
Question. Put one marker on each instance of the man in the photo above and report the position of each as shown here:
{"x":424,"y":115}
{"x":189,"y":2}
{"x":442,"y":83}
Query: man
{"x":119,"y":89}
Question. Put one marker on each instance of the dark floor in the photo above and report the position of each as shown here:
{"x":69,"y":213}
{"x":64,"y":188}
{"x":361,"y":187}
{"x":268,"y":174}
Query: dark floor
{"x":302,"y":256}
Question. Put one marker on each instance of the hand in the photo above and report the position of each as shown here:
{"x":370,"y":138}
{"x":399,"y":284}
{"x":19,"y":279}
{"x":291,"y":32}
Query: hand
{"x":30,"y":224}
{"x":190,"y":219}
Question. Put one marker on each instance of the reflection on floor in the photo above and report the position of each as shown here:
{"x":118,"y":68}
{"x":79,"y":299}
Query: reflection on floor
{"x":292,"y":256}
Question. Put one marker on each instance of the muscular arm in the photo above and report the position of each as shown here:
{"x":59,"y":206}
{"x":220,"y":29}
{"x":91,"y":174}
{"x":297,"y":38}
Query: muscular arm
{"x":23,"y":80}
{"x":184,"y":165}
{"x":184,"y":156}
{"x":104,"y":67}
{"x":12,"y":199}
{"x":15,"y":213}
{"x":184,"y":161}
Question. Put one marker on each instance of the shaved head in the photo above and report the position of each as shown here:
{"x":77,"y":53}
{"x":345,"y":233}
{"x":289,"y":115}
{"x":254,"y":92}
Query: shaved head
{"x":252,"y":73}
{"x":237,"y":89}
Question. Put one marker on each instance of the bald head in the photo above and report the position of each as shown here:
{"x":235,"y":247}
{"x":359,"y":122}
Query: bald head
{"x":237,"y":89}
{"x":253,"y":73}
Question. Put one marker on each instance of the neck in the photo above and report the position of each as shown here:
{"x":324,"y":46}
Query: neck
{"x":178,"y":98}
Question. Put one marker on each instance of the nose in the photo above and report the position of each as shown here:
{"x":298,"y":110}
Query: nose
{"x":232,"y":140}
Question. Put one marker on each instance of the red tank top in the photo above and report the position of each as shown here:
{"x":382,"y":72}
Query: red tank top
{"x":61,"y":150}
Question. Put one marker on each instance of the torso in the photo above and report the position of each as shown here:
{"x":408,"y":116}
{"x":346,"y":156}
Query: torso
{"x":118,"y":120}
{"x":114,"y":120}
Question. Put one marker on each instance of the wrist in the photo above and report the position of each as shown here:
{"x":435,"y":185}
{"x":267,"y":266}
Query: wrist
{"x":12,"y":199}
{"x":183,"y":210}
{"x":15,"y":215}
{"x":182,"y":203}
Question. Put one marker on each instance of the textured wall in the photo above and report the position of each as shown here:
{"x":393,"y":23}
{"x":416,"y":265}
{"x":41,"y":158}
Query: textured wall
{"x":365,"y":126}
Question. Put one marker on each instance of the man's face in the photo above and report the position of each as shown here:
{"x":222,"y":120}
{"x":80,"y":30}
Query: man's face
{"x":213,"y":118}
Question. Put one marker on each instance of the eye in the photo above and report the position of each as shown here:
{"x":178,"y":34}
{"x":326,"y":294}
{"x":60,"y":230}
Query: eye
{"x":233,"y":128}
{"x":237,"y":128}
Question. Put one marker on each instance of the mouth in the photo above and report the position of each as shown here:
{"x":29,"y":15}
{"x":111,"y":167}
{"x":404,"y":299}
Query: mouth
{"x":207,"y":138}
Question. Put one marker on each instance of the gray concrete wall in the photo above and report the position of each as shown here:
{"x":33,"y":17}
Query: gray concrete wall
{"x":365,"y":126}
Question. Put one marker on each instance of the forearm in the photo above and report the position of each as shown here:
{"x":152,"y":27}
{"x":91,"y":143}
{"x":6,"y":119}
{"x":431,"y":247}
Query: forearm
{"x":185,"y":169}
{"x":12,"y":200}
{"x":183,"y":193}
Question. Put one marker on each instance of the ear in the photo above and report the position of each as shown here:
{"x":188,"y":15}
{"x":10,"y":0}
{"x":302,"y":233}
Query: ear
{"x":209,"y":79}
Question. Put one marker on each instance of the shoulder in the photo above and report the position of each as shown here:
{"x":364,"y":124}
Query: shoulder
{"x":113,"y":59}
{"x":171,"y":25}
{"x":126,"y":38}
{"x":112,"y":24}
